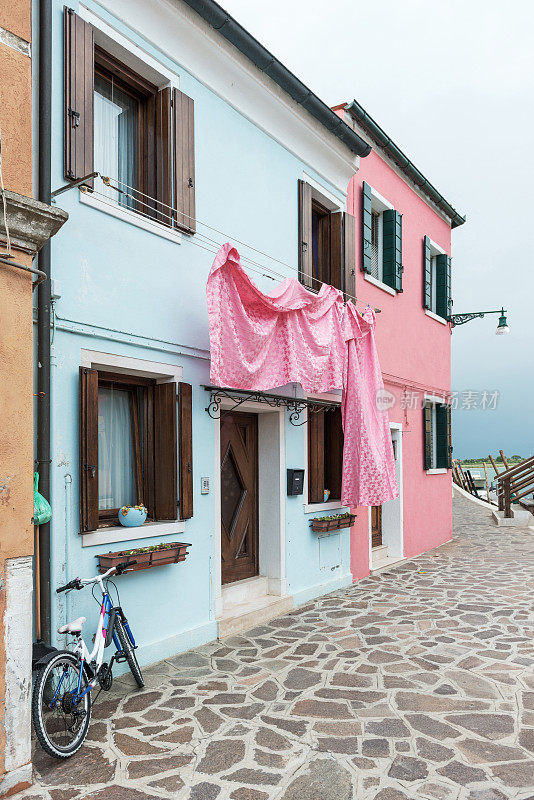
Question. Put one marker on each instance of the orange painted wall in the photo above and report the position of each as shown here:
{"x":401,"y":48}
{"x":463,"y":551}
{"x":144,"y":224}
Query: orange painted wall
{"x":16,"y":382}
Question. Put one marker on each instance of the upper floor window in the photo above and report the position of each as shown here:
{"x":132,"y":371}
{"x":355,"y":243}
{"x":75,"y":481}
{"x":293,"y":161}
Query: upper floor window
{"x":121,"y":127}
{"x":381,"y":240}
{"x":436,"y":280}
{"x":377,"y":266}
{"x":137,"y":134}
{"x":327,"y":251}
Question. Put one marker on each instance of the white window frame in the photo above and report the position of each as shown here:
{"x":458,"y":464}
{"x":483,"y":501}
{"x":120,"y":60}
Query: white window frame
{"x":161,"y":373}
{"x":380,"y":204}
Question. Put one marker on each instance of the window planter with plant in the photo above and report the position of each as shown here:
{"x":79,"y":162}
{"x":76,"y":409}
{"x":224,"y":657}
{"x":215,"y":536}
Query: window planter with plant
{"x":157,"y":555}
{"x":333,"y":522}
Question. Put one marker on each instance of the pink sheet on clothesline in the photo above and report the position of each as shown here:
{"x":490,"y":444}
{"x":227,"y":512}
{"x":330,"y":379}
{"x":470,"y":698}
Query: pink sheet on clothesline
{"x":260,"y":341}
{"x":291,"y":335}
{"x":368,"y":460}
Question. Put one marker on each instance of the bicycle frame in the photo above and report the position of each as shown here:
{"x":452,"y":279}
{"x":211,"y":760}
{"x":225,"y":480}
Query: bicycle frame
{"x":96,"y":656}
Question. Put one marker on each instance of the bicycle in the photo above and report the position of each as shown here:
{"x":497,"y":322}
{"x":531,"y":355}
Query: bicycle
{"x":61,"y":703}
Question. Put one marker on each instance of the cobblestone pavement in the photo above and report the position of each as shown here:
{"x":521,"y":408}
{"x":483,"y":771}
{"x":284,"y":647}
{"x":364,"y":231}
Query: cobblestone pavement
{"x":416,"y":683}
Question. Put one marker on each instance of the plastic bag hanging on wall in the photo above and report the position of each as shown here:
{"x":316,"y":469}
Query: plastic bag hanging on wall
{"x":42,"y":512}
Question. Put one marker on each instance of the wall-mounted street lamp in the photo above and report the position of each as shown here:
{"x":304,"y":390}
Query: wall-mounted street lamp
{"x":502,"y":327}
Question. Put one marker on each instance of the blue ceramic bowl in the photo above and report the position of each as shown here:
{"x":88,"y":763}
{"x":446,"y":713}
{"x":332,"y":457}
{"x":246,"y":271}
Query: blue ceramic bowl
{"x":133,"y":516}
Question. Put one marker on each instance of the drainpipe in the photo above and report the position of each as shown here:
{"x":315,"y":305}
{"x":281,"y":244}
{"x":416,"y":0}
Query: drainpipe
{"x":43,"y":305}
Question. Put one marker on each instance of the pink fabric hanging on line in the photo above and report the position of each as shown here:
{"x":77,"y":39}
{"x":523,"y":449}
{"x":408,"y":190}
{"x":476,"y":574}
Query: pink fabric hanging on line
{"x":368,"y":459}
{"x":263,"y":341}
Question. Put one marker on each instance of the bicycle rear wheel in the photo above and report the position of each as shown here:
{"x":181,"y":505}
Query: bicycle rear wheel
{"x":60,"y":724}
{"x":128,"y":650}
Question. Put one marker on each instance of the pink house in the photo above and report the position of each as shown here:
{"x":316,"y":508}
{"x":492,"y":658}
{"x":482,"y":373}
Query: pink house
{"x":403,"y":249}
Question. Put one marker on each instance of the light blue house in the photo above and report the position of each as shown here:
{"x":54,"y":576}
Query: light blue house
{"x":205,"y":138}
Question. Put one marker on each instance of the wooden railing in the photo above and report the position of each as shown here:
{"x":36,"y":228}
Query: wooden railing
{"x":514,"y":483}
{"x":463,"y":478}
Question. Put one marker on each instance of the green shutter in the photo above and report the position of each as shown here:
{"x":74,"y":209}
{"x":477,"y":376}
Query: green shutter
{"x":427,"y":274}
{"x":392,"y":249}
{"x":366,"y":227}
{"x":427,"y":435}
{"x":449,"y":436}
{"x":449,"y":288}
{"x":442,"y":436}
{"x":443,"y":286}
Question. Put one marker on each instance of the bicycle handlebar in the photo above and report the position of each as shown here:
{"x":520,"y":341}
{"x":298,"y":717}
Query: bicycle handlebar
{"x":79,"y":583}
{"x":74,"y":584}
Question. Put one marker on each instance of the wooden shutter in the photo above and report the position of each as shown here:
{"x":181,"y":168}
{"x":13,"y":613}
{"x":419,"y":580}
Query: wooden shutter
{"x":78,"y":69}
{"x":165,"y":452}
{"x":336,"y":250}
{"x":427,"y":435}
{"x":315,"y":456}
{"x":443,"y":285}
{"x":186,"y":450}
{"x":427,"y":274}
{"x":442,"y":436}
{"x":305,"y":252}
{"x":184,"y":161}
{"x":163,"y":128}
{"x":349,"y":256}
{"x":88,"y":449}
{"x":392,"y":249}
{"x":367,"y":223}
{"x":333,"y":446}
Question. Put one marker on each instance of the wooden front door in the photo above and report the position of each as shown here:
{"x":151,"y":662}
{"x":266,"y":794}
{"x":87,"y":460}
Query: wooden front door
{"x":239,"y":496}
{"x":376,"y":526}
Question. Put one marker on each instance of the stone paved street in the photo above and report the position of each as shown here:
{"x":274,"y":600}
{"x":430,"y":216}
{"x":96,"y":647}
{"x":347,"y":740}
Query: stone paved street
{"x":416,"y":683}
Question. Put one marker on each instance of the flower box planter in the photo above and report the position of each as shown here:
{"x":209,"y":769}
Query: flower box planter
{"x":335,"y":523}
{"x":145,"y":557}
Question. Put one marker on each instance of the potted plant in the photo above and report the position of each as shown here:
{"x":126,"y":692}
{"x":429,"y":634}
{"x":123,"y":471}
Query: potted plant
{"x":333,"y":522}
{"x":157,"y":555}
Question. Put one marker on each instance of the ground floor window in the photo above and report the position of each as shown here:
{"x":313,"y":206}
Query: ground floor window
{"x":437,"y":435}
{"x":132,"y":445}
{"x":325,"y":455}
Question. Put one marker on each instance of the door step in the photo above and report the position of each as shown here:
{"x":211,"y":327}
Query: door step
{"x":241,"y":591}
{"x":239,"y":617}
{"x":379,"y":556}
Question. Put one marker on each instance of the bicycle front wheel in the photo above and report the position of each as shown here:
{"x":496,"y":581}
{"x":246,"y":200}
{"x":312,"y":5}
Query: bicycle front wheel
{"x":60,"y":722}
{"x":128,"y":650}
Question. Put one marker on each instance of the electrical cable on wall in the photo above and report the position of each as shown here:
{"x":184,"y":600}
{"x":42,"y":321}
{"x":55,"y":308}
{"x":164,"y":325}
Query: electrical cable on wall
{"x":149,"y":202}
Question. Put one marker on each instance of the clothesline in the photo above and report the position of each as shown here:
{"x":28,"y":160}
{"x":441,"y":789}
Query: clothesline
{"x":260,"y":268}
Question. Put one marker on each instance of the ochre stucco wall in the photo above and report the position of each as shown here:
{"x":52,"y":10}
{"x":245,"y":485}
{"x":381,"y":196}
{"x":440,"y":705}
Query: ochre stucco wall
{"x":16,"y":390}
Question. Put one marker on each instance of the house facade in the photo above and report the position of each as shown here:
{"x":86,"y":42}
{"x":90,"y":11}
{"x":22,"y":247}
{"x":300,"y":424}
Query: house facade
{"x":403,"y":267}
{"x":175,"y":132}
{"x":25,"y":226}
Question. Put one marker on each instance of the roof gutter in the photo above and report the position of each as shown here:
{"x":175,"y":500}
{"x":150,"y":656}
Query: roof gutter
{"x":381,"y":138}
{"x":234,"y":33}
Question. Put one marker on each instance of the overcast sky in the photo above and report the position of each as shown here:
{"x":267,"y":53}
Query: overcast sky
{"x":452,"y":82}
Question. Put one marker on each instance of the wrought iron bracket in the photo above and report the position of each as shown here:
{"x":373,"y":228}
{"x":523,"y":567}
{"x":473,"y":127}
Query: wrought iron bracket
{"x":460,"y":319}
{"x":295,"y":405}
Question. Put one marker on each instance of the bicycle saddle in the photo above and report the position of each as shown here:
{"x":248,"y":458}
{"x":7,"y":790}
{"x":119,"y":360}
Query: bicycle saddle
{"x":72,"y":627}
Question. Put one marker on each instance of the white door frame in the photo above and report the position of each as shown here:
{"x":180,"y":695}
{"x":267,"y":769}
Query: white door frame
{"x":271,"y":499}
{"x":392,"y":511}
